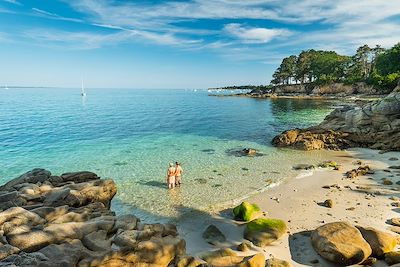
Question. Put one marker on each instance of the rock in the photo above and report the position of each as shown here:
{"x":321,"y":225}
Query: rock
{"x":51,"y":213}
{"x":328,"y":203}
{"x":274,"y":262}
{"x":96,"y":191}
{"x":246,"y":212}
{"x":380,"y":242}
{"x":394,"y":167}
{"x":244,"y":246}
{"x":328,"y":164}
{"x":393,"y":159}
{"x":160,"y":251}
{"x":97,"y":241}
{"x":69,"y":223}
{"x":363,"y":170}
{"x":303,"y":167}
{"x":23,"y":259}
{"x":369,"y":262}
{"x":395,"y":221}
{"x":392,"y":257}
{"x":34,"y":176}
{"x":66,"y":254}
{"x":213,"y":235}
{"x":79,"y":177}
{"x":386,"y":181}
{"x":187,"y":261}
{"x":7,"y":250}
{"x":341,"y":243}
{"x":221,"y":258}
{"x":257,"y":260}
{"x":249,"y":151}
{"x":126,"y":222}
{"x":19,"y":216}
{"x":262,"y":232}
{"x":374,"y":124}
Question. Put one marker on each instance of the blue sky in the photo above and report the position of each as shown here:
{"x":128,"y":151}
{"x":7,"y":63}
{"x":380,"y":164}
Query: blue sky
{"x":178,"y":44}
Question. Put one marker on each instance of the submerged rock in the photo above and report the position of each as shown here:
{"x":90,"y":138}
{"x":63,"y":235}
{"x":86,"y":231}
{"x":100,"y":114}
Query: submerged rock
{"x":246,"y":212}
{"x":341,"y":243}
{"x":262,"y":232}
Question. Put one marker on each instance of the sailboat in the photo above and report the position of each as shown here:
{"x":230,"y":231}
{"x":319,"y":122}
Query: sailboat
{"x":83,"y":90}
{"x":6,"y":87}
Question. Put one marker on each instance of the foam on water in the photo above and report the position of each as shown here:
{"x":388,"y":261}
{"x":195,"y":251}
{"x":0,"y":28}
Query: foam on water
{"x":131,"y":136}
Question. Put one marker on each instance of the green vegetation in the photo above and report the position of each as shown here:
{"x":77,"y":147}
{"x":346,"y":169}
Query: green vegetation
{"x":263,"y":224}
{"x":246,"y":212}
{"x":376,"y":66}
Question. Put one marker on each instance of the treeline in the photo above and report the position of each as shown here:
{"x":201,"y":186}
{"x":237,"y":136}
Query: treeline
{"x":377,"y":66}
{"x":243,"y":87}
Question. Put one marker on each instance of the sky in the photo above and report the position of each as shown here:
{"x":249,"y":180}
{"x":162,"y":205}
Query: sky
{"x":178,"y":44}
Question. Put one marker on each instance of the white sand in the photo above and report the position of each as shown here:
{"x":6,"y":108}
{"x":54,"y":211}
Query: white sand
{"x":298,"y":198}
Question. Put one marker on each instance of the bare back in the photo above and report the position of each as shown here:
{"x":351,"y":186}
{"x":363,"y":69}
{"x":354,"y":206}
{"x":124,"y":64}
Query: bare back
{"x":178,"y":171}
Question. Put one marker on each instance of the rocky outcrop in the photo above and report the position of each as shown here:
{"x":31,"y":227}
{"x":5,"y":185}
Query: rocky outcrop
{"x":374,"y":125}
{"x":333,"y":89}
{"x":65,"y":220}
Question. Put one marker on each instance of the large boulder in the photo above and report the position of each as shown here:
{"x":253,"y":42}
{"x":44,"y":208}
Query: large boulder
{"x":379,"y":241}
{"x":246,"y":212}
{"x":262,"y":232}
{"x":341,"y":243}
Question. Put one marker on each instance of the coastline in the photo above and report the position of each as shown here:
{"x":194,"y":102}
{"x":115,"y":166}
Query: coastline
{"x":351,"y":97}
{"x":363,"y":200}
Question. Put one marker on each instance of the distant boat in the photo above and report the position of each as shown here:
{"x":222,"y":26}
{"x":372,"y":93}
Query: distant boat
{"x":83,"y":90}
{"x":6,"y":87}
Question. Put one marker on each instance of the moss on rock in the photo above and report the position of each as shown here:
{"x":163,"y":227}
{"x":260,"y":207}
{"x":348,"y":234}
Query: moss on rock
{"x":246,"y":212}
{"x":264,"y":231}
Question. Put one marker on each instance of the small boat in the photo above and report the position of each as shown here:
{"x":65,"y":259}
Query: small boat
{"x":6,"y":87}
{"x":83,"y":90}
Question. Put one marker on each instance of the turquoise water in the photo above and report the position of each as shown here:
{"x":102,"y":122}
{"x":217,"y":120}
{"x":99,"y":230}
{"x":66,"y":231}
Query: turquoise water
{"x":132,"y":135}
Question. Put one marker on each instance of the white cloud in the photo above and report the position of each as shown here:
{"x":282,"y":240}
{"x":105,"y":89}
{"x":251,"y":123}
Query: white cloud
{"x":254,"y":35}
{"x":14,"y":2}
{"x":345,"y":24}
{"x":54,"y":15}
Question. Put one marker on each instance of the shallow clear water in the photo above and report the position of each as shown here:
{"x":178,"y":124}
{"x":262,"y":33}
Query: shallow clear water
{"x":132,"y":135}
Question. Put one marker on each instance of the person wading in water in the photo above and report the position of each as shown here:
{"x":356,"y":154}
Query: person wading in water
{"x":171,"y":176}
{"x":178,"y":174}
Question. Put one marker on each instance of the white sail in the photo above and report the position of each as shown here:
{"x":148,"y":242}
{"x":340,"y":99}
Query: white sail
{"x":83,"y":90}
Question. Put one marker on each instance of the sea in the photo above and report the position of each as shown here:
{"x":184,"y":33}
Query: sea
{"x":131,"y":135}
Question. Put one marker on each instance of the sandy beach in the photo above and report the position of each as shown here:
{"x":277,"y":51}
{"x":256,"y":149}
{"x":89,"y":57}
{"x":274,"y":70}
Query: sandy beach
{"x":361,"y":201}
